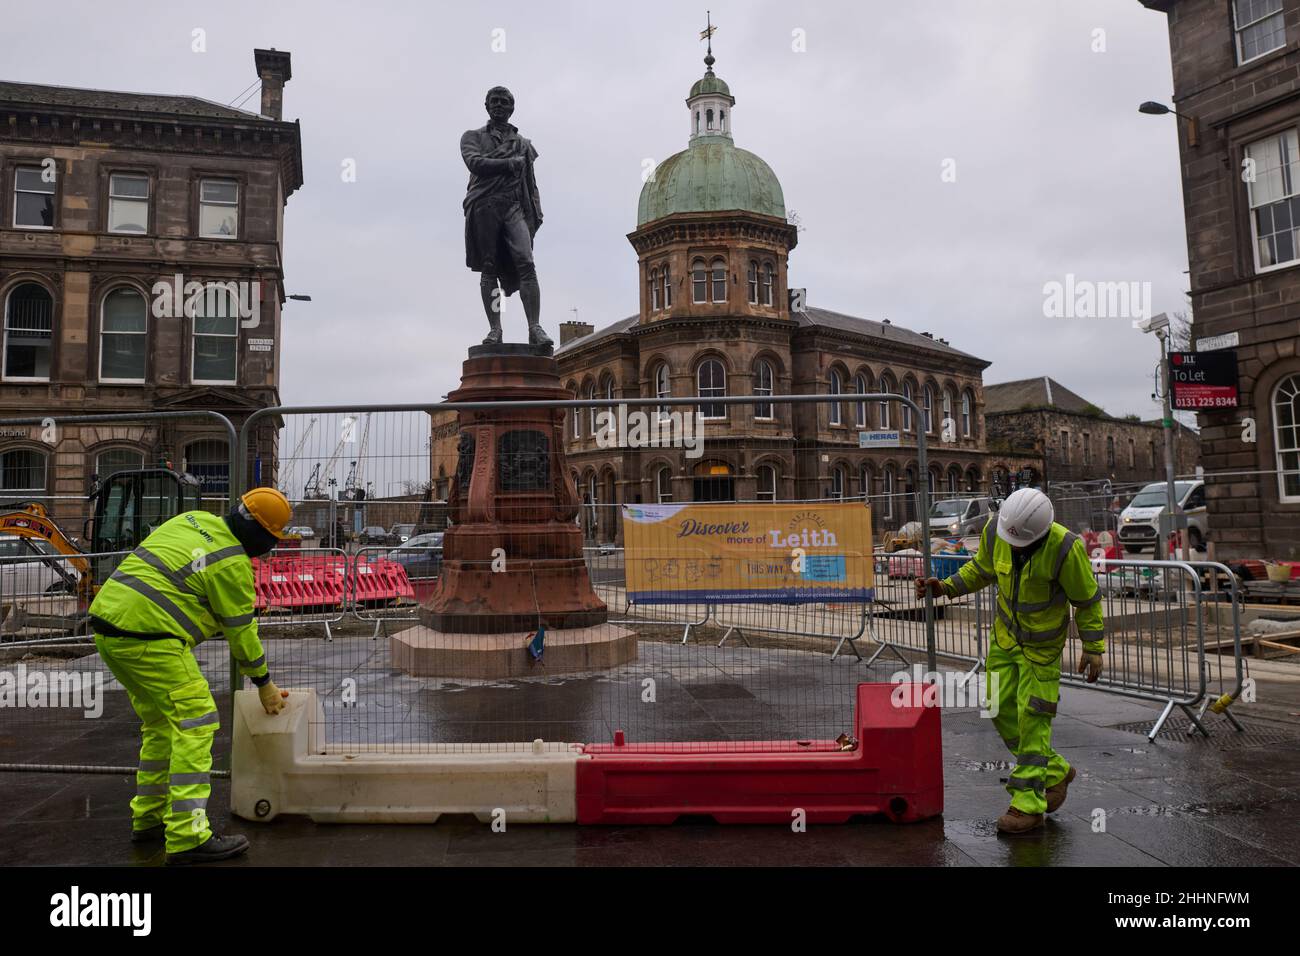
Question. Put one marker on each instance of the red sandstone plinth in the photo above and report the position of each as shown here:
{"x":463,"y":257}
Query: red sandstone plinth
{"x":423,"y":652}
{"x":514,"y":553}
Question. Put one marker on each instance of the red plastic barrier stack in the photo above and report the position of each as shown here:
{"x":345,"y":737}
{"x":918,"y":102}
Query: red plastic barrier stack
{"x":896,"y":770}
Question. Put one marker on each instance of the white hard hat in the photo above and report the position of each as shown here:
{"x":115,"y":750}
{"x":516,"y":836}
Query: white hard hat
{"x":1025,"y":516}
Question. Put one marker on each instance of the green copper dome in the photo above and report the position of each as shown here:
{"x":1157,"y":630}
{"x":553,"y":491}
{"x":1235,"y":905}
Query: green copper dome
{"x":712,"y":175}
{"x":709,"y":83}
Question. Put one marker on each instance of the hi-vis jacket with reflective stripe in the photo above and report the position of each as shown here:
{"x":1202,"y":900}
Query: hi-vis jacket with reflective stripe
{"x":1034,"y":605}
{"x":191,"y":578}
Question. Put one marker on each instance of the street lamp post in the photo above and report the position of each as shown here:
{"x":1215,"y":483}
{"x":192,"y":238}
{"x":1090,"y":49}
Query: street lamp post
{"x":1159,"y":324}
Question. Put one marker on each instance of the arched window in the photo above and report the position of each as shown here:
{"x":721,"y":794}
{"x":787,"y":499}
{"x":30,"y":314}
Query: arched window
{"x":890,"y":483}
{"x":118,"y":459}
{"x":1286,"y":437}
{"x":28,"y":333}
{"x":699,"y":281}
{"x":866,"y":481}
{"x":954,"y":480}
{"x":654,"y":290}
{"x":766,"y":486}
{"x":708,"y":119}
{"x":664,"y":485}
{"x":22,"y":471}
{"x":607,"y":393}
{"x":122,"y":337}
{"x":966,"y":404}
{"x":575,"y":413}
{"x":753,"y":282}
{"x":907,"y":409}
{"x":697,"y":121}
{"x":722,"y":120}
{"x":663,"y":388}
{"x":769,"y":275}
{"x":888,"y":387}
{"x":668,"y":288}
{"x":836,"y":387}
{"x":711,"y":379}
{"x":927,"y":404}
{"x":860,"y":386}
{"x":839,"y":481}
{"x":719,"y":269}
{"x":947,"y":410}
{"x":216,"y":338}
{"x":209,"y":461}
{"x":591,"y":409}
{"x":763,"y":384}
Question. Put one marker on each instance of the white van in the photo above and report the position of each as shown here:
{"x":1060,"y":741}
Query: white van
{"x":959,"y":517}
{"x":1139,"y":523}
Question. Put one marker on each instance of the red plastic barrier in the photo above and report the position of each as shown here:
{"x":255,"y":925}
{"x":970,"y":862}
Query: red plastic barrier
{"x":378,"y":581}
{"x":896,"y":770}
{"x":1107,"y":547}
{"x":299,"y":582}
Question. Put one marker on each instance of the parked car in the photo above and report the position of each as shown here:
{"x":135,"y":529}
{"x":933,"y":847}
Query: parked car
{"x":1139,"y":523}
{"x":24,"y":573}
{"x":959,"y":517}
{"x":401,"y":533}
{"x":374,"y":534}
{"x":421,"y":555}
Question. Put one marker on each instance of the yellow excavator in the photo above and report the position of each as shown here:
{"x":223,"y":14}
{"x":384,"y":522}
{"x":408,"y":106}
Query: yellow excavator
{"x":127,"y":506}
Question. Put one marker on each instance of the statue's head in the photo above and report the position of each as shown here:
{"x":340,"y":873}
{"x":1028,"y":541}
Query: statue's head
{"x":500,"y":104}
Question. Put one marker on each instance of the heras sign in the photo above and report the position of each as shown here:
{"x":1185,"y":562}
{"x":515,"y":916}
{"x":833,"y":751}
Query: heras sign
{"x":1203,"y":380}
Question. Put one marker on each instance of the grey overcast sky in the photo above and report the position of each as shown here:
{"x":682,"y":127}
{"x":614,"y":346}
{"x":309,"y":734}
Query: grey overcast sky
{"x":1056,"y":171}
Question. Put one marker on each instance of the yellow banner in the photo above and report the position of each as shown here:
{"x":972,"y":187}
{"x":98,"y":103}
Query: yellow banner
{"x":750,"y":552}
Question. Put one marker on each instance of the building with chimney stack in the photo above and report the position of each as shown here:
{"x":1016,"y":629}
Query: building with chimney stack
{"x":110,"y":204}
{"x":718,"y":316}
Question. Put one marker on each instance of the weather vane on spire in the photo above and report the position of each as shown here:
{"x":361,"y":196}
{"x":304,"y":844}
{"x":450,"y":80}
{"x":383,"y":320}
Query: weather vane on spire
{"x":707,"y":34}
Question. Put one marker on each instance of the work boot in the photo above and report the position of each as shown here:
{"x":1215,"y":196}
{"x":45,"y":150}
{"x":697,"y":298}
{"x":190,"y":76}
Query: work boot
{"x":213,"y":849}
{"x":1057,"y":792}
{"x":537,"y":336}
{"x":153,"y":834}
{"x":1017,"y":821}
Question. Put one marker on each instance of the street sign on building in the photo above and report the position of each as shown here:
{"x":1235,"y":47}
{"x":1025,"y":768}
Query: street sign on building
{"x":880,"y":438}
{"x":1229,"y":340}
{"x":1203,"y":380}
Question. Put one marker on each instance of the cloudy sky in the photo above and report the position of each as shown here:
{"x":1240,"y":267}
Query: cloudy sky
{"x":1033,"y":102}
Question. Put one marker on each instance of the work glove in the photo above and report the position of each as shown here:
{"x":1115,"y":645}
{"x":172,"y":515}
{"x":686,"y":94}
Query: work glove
{"x":1090,"y":665}
{"x":272,"y":697}
{"x":933,"y":585}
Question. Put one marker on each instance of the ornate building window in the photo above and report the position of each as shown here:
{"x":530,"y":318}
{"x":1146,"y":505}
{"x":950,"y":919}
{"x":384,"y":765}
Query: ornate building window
{"x":122,"y":337}
{"x":216,"y":338}
{"x":22,"y":471}
{"x":763,"y":384}
{"x":907,"y":409}
{"x":860,"y":386}
{"x":839,"y":479}
{"x":28,"y":333}
{"x":866,"y":479}
{"x":654,"y":290}
{"x":663,"y":388}
{"x":753,"y":282}
{"x":966,"y":404}
{"x":699,"y":282}
{"x":711,"y":379}
{"x":668,"y":287}
{"x":591,"y":409}
{"x":837,"y":386}
{"x":128,"y":203}
{"x":927,"y":404}
{"x":766,"y":486}
{"x":664,"y":485}
{"x":719,"y":269}
{"x":218,"y":209}
{"x":888,"y":387}
{"x":1286,"y":437}
{"x":33,"y":199}
{"x":768,"y":281}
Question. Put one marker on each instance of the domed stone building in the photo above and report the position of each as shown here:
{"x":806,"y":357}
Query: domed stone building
{"x":718,"y":317}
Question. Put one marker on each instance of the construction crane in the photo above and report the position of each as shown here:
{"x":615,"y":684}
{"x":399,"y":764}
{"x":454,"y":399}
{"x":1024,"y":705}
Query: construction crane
{"x":354,"y":485}
{"x":291,"y":466}
{"x":346,"y":434}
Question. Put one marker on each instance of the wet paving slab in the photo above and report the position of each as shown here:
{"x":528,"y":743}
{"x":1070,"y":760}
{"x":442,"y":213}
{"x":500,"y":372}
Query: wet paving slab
{"x":1179,"y":801}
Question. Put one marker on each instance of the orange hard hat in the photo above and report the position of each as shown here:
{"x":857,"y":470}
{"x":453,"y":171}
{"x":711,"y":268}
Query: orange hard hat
{"x":269,"y":508}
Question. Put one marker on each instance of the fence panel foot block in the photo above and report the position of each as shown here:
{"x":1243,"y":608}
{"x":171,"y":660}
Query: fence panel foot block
{"x":282,"y":764}
{"x":896,"y":770}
